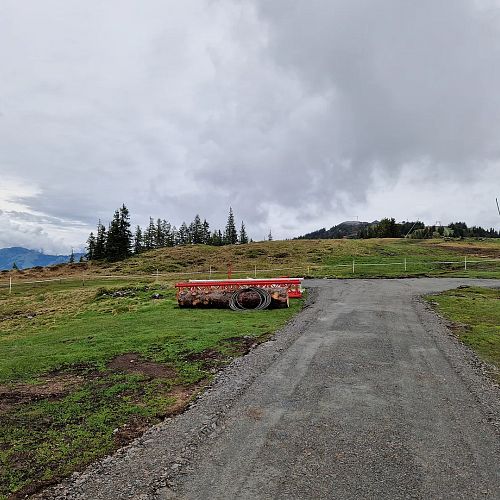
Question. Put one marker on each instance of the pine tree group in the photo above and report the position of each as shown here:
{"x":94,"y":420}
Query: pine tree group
{"x":117,"y":242}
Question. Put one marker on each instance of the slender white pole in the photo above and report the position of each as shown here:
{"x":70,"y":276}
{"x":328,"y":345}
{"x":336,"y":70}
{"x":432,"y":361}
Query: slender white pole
{"x":405,"y":264}
{"x":353,"y":266}
{"x":10,"y":285}
{"x":465,"y":263}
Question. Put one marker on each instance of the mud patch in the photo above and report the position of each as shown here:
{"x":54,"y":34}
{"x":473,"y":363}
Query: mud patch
{"x":133,"y":363}
{"x":210,"y":358}
{"x":51,"y":387}
{"x":206,"y":355}
{"x":243,"y":345}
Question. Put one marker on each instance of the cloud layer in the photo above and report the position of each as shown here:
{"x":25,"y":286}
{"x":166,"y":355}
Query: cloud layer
{"x":297,"y":114}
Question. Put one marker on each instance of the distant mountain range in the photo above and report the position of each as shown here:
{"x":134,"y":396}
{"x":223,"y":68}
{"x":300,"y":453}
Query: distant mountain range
{"x":24,"y":258}
{"x":347,"y":229}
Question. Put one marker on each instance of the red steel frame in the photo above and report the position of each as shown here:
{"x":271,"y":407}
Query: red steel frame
{"x":292,"y":284}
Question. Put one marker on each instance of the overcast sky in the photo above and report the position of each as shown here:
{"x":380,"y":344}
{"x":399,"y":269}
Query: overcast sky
{"x":299,"y":114}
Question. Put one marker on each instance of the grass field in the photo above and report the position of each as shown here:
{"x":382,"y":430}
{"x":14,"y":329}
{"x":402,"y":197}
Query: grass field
{"x":84,"y":370}
{"x":475,"y":313}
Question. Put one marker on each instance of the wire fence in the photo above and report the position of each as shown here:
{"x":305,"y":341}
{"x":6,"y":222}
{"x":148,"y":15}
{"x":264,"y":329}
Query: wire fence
{"x":352,"y":266}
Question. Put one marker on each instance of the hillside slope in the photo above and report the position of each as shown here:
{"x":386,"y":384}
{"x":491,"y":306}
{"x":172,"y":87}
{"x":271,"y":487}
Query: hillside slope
{"x":317,"y":258}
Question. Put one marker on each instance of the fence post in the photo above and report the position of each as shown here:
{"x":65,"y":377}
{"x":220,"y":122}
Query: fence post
{"x":353,"y":266}
{"x":10,"y":285}
{"x":465,"y":263}
{"x":405,"y":264}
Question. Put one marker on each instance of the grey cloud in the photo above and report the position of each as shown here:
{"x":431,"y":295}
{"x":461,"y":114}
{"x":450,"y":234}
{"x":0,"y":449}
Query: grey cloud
{"x":288,"y":111}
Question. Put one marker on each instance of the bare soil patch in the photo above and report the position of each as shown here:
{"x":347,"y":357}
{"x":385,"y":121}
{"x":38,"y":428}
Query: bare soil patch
{"x":53,"y":386}
{"x":133,"y":363}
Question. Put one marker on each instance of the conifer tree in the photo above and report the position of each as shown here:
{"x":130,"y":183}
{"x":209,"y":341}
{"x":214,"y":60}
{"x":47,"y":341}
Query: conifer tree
{"x":91,"y":247}
{"x":100,"y":242}
{"x":159,"y":234}
{"x":197,"y":230}
{"x":72,"y":257}
{"x":113,"y":238}
{"x":125,"y":235}
{"x":149,"y":235}
{"x":270,"y":236}
{"x":206,"y":233}
{"x":183,"y":234}
{"x":138,"y":240}
{"x":166,"y":230}
{"x":243,"y":234}
{"x":230,"y":233}
{"x":14,"y":267}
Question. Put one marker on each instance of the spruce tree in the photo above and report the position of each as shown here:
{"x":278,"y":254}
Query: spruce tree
{"x":113,"y":238}
{"x":138,"y":243}
{"x":230,"y":233}
{"x":72,"y":257}
{"x":183,"y":234}
{"x":91,"y":242}
{"x":100,"y":242}
{"x":270,"y":236}
{"x":125,"y":235}
{"x":149,"y":235}
{"x":14,"y":267}
{"x":206,"y":233}
{"x":243,"y":234}
{"x":159,"y":235}
{"x":166,"y":229}
{"x":197,"y":230}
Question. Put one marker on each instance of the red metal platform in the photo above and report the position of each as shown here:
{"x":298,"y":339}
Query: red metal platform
{"x":292,"y":284}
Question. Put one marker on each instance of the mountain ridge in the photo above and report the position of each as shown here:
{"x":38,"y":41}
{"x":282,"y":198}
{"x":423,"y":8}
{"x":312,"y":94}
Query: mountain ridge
{"x":25,"y":258}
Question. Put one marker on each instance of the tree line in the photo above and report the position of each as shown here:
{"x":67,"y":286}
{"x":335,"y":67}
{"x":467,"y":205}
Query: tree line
{"x":389,"y":228}
{"x":117,"y":242}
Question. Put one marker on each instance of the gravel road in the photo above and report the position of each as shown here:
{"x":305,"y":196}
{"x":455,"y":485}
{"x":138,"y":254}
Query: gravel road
{"x":364,"y":395}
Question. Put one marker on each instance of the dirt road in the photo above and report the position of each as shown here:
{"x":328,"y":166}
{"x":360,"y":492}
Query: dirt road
{"x":366,"y":395}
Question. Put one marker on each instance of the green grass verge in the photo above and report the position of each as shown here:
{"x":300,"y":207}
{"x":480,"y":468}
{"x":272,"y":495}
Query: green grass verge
{"x":63,"y":402}
{"x":476,"y":315}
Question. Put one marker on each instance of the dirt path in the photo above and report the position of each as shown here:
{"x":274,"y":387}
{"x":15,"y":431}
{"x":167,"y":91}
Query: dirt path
{"x":365,"y":395}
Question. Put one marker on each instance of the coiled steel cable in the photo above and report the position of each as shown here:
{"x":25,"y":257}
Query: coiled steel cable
{"x":264,"y":296}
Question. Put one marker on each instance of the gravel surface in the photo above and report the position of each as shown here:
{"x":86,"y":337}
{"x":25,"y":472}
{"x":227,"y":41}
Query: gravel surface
{"x":365,"y":394}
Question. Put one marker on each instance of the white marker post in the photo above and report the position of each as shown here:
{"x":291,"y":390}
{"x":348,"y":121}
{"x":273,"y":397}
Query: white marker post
{"x":353,"y":266}
{"x":10,"y":285}
{"x":405,"y":264}
{"x":465,"y":263}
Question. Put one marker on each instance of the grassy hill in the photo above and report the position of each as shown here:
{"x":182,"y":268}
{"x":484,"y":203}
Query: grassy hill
{"x":315,"y":258}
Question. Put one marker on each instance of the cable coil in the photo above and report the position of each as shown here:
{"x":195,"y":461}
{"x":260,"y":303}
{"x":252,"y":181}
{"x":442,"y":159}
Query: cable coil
{"x":264,"y":302}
